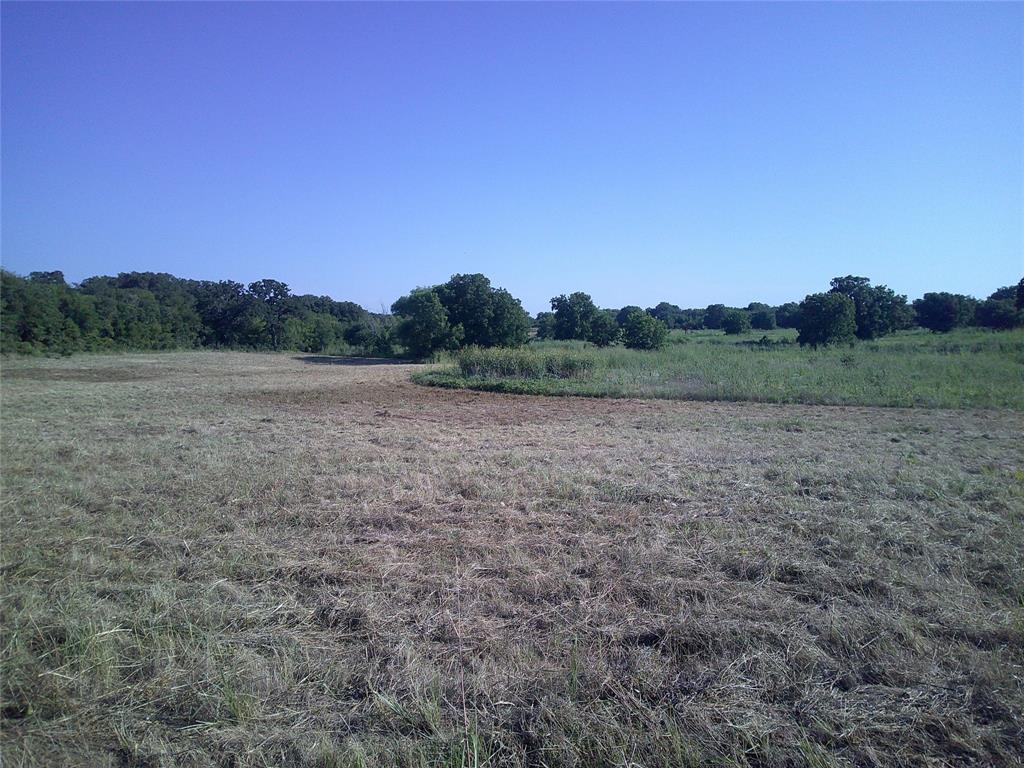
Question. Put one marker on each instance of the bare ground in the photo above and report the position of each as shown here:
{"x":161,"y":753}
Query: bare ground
{"x":229,"y":559}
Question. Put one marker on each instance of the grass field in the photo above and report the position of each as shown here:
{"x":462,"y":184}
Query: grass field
{"x":227,"y":559}
{"x":969,"y":368}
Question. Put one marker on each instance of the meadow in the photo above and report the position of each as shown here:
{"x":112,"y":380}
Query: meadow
{"x":969,"y":368}
{"x":232,"y":559}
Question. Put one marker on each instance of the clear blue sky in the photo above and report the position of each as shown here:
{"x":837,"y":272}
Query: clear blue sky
{"x":685,"y":152}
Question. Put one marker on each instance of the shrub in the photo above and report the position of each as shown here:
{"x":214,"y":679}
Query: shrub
{"x":736,"y":321}
{"x":644,"y":332}
{"x":827,"y":318}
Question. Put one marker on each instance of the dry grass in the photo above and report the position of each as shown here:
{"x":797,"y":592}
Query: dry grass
{"x":230,"y":559}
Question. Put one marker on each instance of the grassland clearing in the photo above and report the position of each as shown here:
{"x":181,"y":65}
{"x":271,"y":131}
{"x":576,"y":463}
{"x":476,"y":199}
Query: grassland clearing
{"x":252,"y":560}
{"x":964,"y":369}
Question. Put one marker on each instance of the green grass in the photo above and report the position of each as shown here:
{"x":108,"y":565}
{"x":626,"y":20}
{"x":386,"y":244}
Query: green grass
{"x":964,"y":369}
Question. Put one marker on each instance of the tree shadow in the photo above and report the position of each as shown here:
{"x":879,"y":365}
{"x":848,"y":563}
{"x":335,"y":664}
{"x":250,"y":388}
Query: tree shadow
{"x":345,"y":360}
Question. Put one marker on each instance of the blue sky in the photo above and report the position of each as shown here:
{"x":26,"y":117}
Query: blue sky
{"x":693,"y":153}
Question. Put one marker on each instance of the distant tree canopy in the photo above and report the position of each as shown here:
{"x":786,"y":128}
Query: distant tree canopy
{"x":467,"y":311}
{"x":735,"y":322}
{"x":763,"y":319}
{"x":545,"y":324}
{"x":674,"y":317}
{"x":150,"y":310}
{"x":998,"y":314}
{"x":625,"y":312}
{"x":788,"y":315}
{"x":714,"y":315}
{"x":155,"y":310}
{"x":642,"y":331}
{"x":942,"y":312}
{"x":827,"y":318}
{"x":1002,"y":310}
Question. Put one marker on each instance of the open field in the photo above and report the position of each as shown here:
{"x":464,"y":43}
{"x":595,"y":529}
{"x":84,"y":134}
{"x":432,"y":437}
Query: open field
{"x":227,"y":559}
{"x":968,"y":368}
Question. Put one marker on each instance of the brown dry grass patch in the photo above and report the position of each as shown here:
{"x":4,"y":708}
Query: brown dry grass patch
{"x":252,"y":560}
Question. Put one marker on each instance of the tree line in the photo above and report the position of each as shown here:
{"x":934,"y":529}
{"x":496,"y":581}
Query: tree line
{"x":149,"y":310}
{"x":851,"y":309}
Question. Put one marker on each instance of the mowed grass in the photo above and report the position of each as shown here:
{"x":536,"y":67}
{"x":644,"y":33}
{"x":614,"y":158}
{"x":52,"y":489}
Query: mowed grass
{"x":225,"y":559}
{"x":963,"y":369}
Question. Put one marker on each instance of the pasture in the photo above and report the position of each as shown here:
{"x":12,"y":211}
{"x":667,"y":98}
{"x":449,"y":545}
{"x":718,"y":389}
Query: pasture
{"x":230,"y":559}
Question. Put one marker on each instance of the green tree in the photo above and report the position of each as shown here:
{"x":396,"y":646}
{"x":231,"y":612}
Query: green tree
{"x":942,"y":312}
{"x":47,"y":278}
{"x":827,"y":318}
{"x":642,"y":331}
{"x":735,"y":322}
{"x":489,"y":317}
{"x":373,"y":335}
{"x":788,"y":315}
{"x":714,"y":315}
{"x":273,"y":294}
{"x":625,"y":312}
{"x":878,"y":310}
{"x":424,"y":327}
{"x":573,"y":315}
{"x":467,"y":299}
{"x":762,"y":319}
{"x":669,"y":314}
{"x":510,"y":324}
{"x":1007,"y":292}
{"x":603,"y":329}
{"x":999,"y":314}
{"x":545,"y":324}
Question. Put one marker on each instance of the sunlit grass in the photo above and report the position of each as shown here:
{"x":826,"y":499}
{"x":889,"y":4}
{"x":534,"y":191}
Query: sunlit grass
{"x":965,"y":369}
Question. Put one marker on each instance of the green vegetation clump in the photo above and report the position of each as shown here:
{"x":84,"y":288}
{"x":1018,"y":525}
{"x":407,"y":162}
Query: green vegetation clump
{"x":642,"y":331}
{"x":942,"y":312}
{"x":462,"y":312}
{"x":827,"y":318}
{"x":526,"y":363}
{"x":604,"y":330}
{"x":424,"y":328}
{"x":736,"y":322}
{"x":878,"y":310}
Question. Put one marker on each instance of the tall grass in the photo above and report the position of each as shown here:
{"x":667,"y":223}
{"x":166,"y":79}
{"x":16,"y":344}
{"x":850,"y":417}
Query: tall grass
{"x":964,"y":369}
{"x":556,"y":362}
